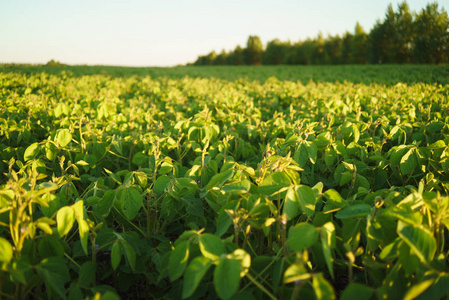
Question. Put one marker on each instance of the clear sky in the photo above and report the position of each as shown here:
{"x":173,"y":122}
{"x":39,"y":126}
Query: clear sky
{"x":168,"y":32}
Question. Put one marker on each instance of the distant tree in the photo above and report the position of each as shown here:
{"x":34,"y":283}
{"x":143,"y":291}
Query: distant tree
{"x":332,"y":46}
{"x":235,"y":57}
{"x":306,"y":52}
{"x":54,"y":63}
{"x":357,"y":46}
{"x":210,"y":58}
{"x":200,"y":61}
{"x":390,"y":41}
{"x":346,"y":48}
{"x":275,"y":52}
{"x":376,"y":51}
{"x":432,"y":37}
{"x":252,"y":54}
{"x":239,"y":60}
{"x":230,"y":58}
{"x":318,"y":56}
{"x":293,"y":55}
{"x":401,"y":37}
{"x":405,"y":35}
{"x":221,"y":58}
{"x":388,"y":37}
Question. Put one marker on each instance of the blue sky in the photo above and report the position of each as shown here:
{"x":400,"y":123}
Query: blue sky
{"x":167,"y":32}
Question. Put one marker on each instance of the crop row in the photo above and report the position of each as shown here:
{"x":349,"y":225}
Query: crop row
{"x":194,"y":188}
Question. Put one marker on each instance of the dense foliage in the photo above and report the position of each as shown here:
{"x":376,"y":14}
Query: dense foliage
{"x":402,"y":37}
{"x":141,"y":187}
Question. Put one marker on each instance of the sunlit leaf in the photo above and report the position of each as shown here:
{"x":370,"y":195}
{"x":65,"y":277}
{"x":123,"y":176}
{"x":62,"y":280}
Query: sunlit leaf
{"x":227,"y":278}
{"x":302,"y":236}
{"x":193,"y":275}
{"x":6,"y":251}
{"x":63,"y":137}
{"x":65,"y":219}
{"x":419,"y":239}
{"x":178,"y":260}
{"x":211,"y":246}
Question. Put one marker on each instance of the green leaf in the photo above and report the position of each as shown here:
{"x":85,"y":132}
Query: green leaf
{"x":161,"y":184}
{"x":241,"y":186}
{"x":403,"y":213}
{"x":75,"y":292}
{"x":273,"y":183}
{"x":418,"y":289}
{"x":329,"y":156}
{"x":31,"y":151}
{"x":116,"y":255}
{"x":104,"y":205}
{"x":63,"y":137}
{"x":296,"y":273}
{"x":302,"y":236}
{"x":438,"y":289}
{"x":65,"y":219}
{"x":178,"y":260}
{"x":408,"y":162}
{"x":208,"y":172}
{"x":346,"y":177}
{"x":211,"y":246}
{"x":419,"y":239}
{"x":323,"y":289}
{"x":291,"y":204}
{"x":130,"y":255}
{"x":83,"y":230}
{"x":408,"y":259}
{"x":6,"y":251}
{"x":397,"y":154}
{"x":301,"y":155}
{"x":166,"y":167}
{"x":227,"y":278}
{"x":307,"y":199}
{"x":335,"y":198}
{"x":86,"y":275}
{"x":354,"y":211}
{"x":83,"y":227}
{"x":141,"y":178}
{"x":193,"y":275}
{"x":390,"y":251}
{"x":194,"y":206}
{"x":435,"y":126}
{"x":78,"y":209}
{"x":50,"y":150}
{"x":312,"y":151}
{"x":244,"y":258}
{"x":55,"y":274}
{"x":328,"y":242}
{"x":357,"y":291}
{"x":139,"y":159}
{"x":50,"y":246}
{"x":219,"y":179}
{"x":109,"y":295}
{"x":129,"y":201}
{"x":322,"y":140}
{"x":53,"y":202}
{"x":223,"y":219}
{"x":186,"y":187}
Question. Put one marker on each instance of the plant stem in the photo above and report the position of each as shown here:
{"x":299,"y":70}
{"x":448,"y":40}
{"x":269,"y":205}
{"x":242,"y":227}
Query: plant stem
{"x":71,"y":259}
{"x":261,"y":287}
{"x":236,"y":234}
{"x":94,"y":258}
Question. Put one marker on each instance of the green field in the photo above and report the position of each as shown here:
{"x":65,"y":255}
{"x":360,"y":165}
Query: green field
{"x":382,"y":74}
{"x":224,"y":182}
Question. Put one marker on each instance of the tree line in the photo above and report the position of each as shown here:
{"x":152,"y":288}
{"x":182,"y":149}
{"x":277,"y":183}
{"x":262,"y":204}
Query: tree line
{"x":402,"y":37}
